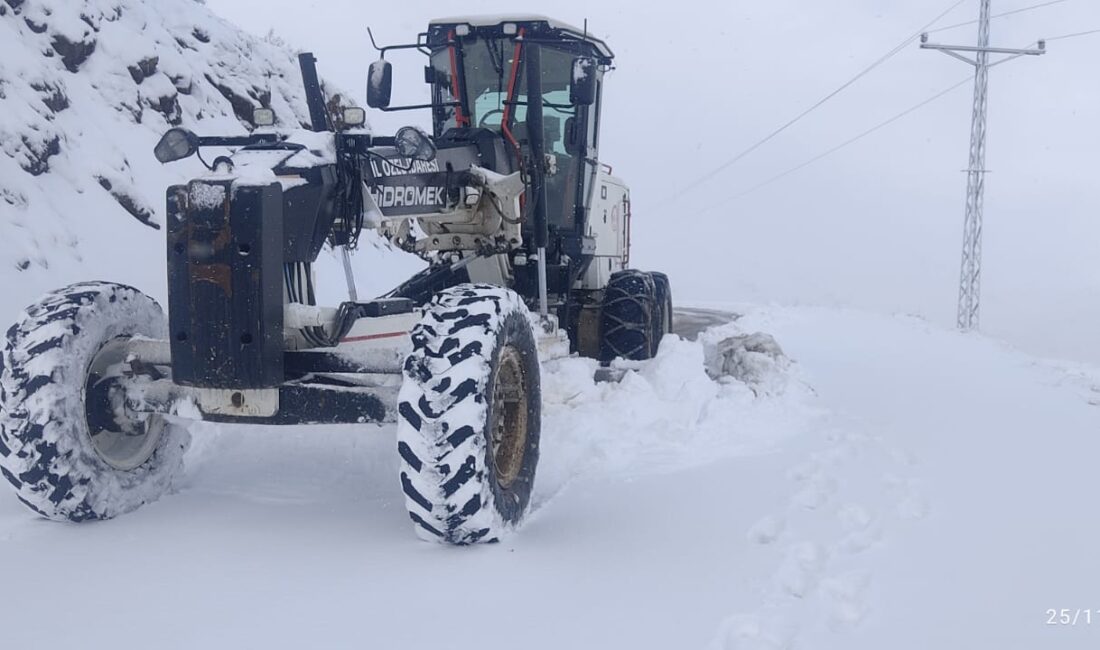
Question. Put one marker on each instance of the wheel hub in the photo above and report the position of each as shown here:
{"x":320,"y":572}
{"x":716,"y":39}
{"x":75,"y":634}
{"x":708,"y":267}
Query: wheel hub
{"x":121,"y":438}
{"x":508,"y":428}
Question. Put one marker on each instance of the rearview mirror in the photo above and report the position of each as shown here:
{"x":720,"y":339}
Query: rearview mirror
{"x":379,"y":84}
{"x":414,"y":144}
{"x":582,"y":87}
{"x":176,"y":144}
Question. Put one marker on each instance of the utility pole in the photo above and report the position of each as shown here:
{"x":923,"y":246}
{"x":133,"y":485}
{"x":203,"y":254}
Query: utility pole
{"x":971,"y":276}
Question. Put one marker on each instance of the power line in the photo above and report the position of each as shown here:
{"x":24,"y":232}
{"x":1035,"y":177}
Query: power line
{"x":889,"y":55}
{"x":875,"y":129}
{"x":1074,"y":35}
{"x":846,"y":143}
{"x":1000,"y":15}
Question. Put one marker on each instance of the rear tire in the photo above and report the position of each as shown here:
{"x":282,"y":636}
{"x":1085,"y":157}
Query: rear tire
{"x":627,"y":319}
{"x":70,"y":452}
{"x":663,"y":313}
{"x":470,"y":416}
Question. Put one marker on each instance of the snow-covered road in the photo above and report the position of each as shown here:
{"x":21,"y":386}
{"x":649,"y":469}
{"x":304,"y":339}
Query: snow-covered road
{"x":999,"y":452}
{"x":899,"y":486}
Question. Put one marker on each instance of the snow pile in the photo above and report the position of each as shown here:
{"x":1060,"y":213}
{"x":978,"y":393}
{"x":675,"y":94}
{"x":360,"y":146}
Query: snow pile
{"x":256,"y":167}
{"x":86,"y":90}
{"x":665,"y":414}
{"x":755,"y":359}
{"x":204,"y":196}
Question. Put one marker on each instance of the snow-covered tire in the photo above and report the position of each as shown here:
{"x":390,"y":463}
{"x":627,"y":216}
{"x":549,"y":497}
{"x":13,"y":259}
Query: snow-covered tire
{"x":470,"y":416}
{"x":47,"y":451}
{"x":662,"y":312}
{"x":627,"y":321}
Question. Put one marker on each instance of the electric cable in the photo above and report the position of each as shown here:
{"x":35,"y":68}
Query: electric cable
{"x":1073,"y":35}
{"x":882,"y":125}
{"x":1000,"y":15}
{"x":846,"y":143}
{"x":889,"y":55}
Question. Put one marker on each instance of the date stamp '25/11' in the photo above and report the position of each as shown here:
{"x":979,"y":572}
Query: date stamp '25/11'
{"x":1071,"y":617}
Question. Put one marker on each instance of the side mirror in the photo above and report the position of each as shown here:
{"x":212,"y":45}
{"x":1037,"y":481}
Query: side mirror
{"x":176,"y":144}
{"x":582,"y":87}
{"x":414,"y":144}
{"x":379,"y":84}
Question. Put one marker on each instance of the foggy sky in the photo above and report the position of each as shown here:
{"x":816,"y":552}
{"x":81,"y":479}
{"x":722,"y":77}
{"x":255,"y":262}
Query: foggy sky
{"x":877,"y":226}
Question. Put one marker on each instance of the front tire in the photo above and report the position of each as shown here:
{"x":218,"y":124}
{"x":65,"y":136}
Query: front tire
{"x":470,"y":416}
{"x":68,"y":447}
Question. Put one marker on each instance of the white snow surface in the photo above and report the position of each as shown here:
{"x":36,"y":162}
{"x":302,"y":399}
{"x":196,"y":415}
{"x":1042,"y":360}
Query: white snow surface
{"x":901,"y":486}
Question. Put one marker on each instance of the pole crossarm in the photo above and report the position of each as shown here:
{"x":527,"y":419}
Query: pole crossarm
{"x":988,"y":50}
{"x":952,"y":53}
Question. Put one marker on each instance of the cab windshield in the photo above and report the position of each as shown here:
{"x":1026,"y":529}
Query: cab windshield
{"x":489,"y":66}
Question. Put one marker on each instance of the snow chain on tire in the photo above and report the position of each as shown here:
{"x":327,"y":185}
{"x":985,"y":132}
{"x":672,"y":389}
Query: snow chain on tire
{"x":46,"y":449}
{"x":474,"y":370}
{"x":627,"y":317}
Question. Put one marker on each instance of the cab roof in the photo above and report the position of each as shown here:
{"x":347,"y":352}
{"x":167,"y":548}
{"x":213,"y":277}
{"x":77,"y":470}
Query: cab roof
{"x":496,"y":20}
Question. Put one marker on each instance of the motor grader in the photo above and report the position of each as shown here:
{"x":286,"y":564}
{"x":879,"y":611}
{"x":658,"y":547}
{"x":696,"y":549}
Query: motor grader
{"x":526,"y":232}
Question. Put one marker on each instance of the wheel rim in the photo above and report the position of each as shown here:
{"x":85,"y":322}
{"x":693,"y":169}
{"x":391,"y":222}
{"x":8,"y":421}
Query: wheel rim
{"x":509,"y":426}
{"x":126,"y":444}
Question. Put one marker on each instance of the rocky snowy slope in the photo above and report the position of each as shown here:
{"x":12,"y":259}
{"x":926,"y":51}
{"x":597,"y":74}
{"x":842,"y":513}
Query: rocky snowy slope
{"x":86,"y":89}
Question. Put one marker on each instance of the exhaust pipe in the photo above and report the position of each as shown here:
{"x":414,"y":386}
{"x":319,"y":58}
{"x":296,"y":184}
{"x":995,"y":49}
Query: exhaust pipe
{"x":315,"y":97}
{"x":533,"y":54}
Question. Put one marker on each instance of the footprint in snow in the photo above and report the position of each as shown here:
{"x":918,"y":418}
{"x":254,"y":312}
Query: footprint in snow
{"x":860,"y":527}
{"x":844,"y":598}
{"x":767,"y":530}
{"x":913,"y":507}
{"x":818,"y":486}
{"x":816,"y":493}
{"x":805,"y":471}
{"x":911,"y":504}
{"x":756,"y":632}
{"x":801,"y":569}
